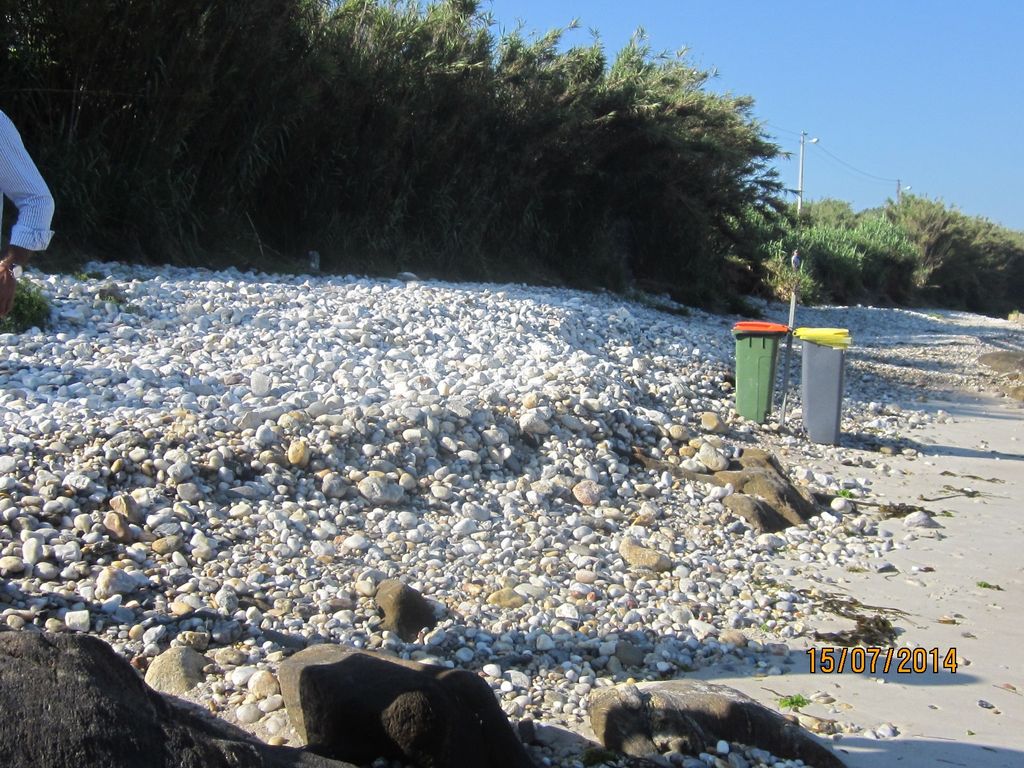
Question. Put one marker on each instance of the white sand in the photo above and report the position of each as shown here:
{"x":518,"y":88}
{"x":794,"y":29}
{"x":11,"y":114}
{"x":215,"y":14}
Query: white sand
{"x":938,"y":716}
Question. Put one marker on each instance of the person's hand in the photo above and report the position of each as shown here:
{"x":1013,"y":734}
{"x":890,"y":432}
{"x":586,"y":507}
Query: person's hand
{"x":7,"y":285}
{"x":14,"y":256}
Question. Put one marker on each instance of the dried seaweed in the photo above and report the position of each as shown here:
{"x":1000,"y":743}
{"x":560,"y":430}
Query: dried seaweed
{"x":947,"y":473}
{"x":869,"y":631}
{"x":954,"y":492}
{"x":899,"y":510}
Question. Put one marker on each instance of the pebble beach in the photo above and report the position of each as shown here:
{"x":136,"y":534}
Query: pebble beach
{"x":235,"y":461}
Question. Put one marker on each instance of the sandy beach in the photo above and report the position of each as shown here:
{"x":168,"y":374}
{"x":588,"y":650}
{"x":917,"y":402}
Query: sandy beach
{"x":970,"y":473}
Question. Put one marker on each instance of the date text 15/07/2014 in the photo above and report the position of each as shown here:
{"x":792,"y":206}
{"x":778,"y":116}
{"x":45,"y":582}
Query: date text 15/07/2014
{"x":876,"y":660}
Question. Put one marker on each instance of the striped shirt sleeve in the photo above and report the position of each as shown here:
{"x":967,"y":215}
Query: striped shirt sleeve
{"x":21,"y":181}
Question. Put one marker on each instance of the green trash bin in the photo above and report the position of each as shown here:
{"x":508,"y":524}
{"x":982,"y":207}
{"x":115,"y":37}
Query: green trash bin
{"x":757,"y":350}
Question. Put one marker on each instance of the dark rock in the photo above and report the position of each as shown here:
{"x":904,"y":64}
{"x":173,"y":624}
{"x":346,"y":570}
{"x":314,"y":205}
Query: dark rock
{"x":226,"y":632}
{"x":69,"y":701}
{"x":285,"y":640}
{"x":643,"y":721}
{"x":359,"y":706}
{"x":405,"y":610}
{"x":761,"y":516}
{"x":629,"y":654}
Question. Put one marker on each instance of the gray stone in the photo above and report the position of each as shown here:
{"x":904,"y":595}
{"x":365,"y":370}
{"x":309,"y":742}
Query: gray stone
{"x":176,"y":671}
{"x":333,"y":485}
{"x":11,"y":565}
{"x":920,"y":519}
{"x":629,"y":654}
{"x":379,"y":490}
{"x":533,"y":423}
{"x":189,"y":492}
{"x":263,"y":684}
{"x":32,"y":551}
{"x":226,"y":632}
{"x":712,"y":458}
{"x":260,"y":384}
{"x":247,"y":714}
{"x":643,"y":557}
{"x":77,"y":621}
{"x":114,"y":581}
{"x":587,"y":492}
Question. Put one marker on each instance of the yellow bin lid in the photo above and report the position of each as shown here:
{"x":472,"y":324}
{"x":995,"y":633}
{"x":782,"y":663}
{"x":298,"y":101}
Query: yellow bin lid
{"x":829,"y":337}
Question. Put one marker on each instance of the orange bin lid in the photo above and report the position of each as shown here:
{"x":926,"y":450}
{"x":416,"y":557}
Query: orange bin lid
{"x":758,"y":326}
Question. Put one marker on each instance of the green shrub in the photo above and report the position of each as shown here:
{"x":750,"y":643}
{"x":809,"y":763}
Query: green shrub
{"x":966,"y":262}
{"x":828,"y":254}
{"x":782,"y":279}
{"x":31,"y":309}
{"x":851,"y":257}
{"x":795,"y":701}
{"x":886,"y":260}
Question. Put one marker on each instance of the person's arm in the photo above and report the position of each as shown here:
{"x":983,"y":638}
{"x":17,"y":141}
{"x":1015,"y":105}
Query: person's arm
{"x":21,"y":181}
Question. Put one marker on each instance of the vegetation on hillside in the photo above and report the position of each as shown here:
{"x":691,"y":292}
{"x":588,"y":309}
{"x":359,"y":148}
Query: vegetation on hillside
{"x":396,"y":135}
{"x":916,"y":252}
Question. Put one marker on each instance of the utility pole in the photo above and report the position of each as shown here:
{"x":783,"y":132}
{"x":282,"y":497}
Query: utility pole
{"x":800,"y":173}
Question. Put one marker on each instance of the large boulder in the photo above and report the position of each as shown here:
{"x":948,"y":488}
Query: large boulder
{"x":69,"y":701}
{"x":359,"y":706}
{"x":650,"y":719}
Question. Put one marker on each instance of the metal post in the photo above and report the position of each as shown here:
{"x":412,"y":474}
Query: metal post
{"x":800,"y":176}
{"x":796,"y":265}
{"x":795,"y":262}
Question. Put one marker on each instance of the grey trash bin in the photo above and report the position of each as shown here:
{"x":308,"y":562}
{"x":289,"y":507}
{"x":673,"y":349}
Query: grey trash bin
{"x":824,"y":352}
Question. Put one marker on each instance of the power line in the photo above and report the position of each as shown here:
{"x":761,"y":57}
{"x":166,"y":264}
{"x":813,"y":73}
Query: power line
{"x":834,"y":157}
{"x":854,"y":168}
{"x":784,"y":130}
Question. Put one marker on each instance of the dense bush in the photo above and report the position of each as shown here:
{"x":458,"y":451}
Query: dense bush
{"x":385,"y":134}
{"x":961,"y":261}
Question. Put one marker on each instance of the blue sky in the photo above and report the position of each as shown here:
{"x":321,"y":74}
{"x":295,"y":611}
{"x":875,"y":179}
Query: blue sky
{"x":929,"y":92}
